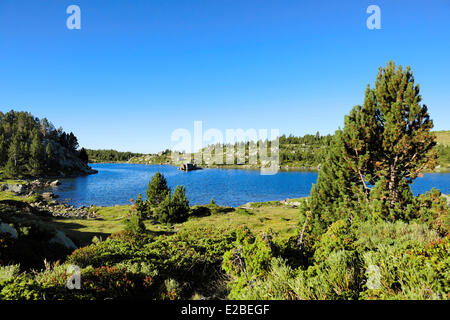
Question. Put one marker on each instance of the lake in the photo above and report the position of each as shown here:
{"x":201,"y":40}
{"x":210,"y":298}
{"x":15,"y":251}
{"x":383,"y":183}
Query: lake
{"x":117,"y":183}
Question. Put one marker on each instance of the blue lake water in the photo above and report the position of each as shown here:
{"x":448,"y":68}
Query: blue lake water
{"x":117,"y":183}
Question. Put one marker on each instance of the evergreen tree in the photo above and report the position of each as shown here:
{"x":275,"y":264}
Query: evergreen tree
{"x":157,"y":189}
{"x":162,"y":212}
{"x":83,"y":155}
{"x":179,"y":205}
{"x":404,"y":144}
{"x":3,"y":149}
{"x":49,"y":155}
{"x":26,"y":144}
{"x":384,"y":145}
{"x":14,"y":165}
{"x":175,"y":208}
{"x":35,"y":160}
{"x":135,"y":223}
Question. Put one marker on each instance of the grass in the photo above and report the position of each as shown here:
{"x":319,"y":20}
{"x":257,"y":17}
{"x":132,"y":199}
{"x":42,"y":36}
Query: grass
{"x":259,"y":217}
{"x":443,"y":137}
{"x":83,"y":230}
{"x":282,"y":220}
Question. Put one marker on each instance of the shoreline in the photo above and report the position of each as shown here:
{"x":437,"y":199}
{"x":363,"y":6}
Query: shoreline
{"x":248,"y":167}
{"x":231,"y":166}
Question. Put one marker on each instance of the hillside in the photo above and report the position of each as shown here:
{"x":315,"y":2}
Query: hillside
{"x":443,"y":149}
{"x":304,"y":153}
{"x":443,"y":137}
{"x":33,"y":147}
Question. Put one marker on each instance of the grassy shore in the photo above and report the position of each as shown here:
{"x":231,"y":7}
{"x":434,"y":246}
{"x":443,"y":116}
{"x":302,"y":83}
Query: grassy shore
{"x":275,"y":215}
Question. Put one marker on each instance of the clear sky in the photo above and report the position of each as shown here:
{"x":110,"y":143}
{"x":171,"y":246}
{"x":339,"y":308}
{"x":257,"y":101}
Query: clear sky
{"x":137,"y":70}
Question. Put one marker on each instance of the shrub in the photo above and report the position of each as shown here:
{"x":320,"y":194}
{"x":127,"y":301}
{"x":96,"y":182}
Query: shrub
{"x":135,"y":223}
{"x":247,"y":261}
{"x":418,"y":273}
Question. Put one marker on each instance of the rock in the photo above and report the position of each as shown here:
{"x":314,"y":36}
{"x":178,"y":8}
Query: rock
{"x":48,"y":195}
{"x":189,"y":167}
{"x":55,"y":183}
{"x":61,"y":238}
{"x":16,"y":188}
{"x":6,"y":228}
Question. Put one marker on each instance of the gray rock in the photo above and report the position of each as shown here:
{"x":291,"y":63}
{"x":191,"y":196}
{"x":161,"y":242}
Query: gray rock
{"x":48,"y":195}
{"x":55,"y":183}
{"x":16,"y":188}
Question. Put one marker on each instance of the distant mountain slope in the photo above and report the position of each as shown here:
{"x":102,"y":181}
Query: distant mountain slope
{"x":443,"y":137}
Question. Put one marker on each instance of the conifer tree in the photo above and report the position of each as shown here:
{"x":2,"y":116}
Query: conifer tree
{"x":384,"y":145}
{"x":83,"y":155}
{"x":14,"y":165}
{"x":404,"y":146}
{"x":49,"y":155}
{"x":157,"y":189}
{"x":179,"y":205}
{"x":174,"y":208}
{"x":3,"y":149}
{"x":35,"y":159}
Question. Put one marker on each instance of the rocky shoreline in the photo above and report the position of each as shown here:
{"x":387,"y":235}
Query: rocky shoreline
{"x":45,"y":202}
{"x":61,"y":210}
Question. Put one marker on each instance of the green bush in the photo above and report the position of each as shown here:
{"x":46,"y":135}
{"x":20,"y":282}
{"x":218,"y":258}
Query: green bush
{"x":418,"y":273}
{"x":248,"y":260}
{"x":174,"y":208}
{"x":135,"y":222}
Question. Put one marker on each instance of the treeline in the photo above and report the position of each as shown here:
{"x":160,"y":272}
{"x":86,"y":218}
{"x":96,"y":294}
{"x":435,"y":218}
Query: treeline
{"x":30,"y":146}
{"x":308,"y":150}
{"x":110,"y":155}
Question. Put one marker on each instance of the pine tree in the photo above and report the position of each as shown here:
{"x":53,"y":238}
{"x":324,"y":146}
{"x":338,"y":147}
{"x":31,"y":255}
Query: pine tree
{"x":157,"y":189}
{"x":49,"y":155}
{"x":384,"y":145}
{"x":404,"y":145}
{"x":14,"y":165}
{"x":179,"y":205}
{"x":135,"y":223}
{"x":174,"y":208}
{"x":162,"y":212}
{"x":3,"y":149}
{"x":36,"y":158}
{"x":83,"y":155}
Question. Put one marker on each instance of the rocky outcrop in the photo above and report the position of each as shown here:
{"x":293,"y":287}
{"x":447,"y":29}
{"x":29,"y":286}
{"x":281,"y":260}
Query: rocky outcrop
{"x":30,"y":186}
{"x":64,"y":211}
{"x":49,"y":195}
{"x":189,"y":167}
{"x":70,"y":165}
{"x":18,"y":189}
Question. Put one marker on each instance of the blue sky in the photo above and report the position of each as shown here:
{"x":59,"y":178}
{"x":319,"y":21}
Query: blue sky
{"x":137,"y":70}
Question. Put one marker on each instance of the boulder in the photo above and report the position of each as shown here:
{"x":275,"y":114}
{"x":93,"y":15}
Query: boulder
{"x":61,"y":238}
{"x":49,"y":195}
{"x":55,"y":183}
{"x":16,"y":188}
{"x":6,"y":228}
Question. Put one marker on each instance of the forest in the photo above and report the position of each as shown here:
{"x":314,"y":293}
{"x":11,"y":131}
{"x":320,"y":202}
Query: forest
{"x":32,"y":147}
{"x":110,"y":155}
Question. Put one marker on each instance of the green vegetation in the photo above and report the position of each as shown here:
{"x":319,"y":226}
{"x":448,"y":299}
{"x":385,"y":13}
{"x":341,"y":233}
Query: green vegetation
{"x":157,"y":190}
{"x":443,"y":150}
{"x":306,"y":153}
{"x":360,"y":235}
{"x":110,"y":155}
{"x":33,"y":147}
